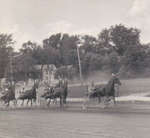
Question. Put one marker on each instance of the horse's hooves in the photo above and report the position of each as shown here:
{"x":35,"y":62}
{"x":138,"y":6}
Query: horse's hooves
{"x":48,"y":105}
{"x":105,"y":107}
{"x":84,"y":108}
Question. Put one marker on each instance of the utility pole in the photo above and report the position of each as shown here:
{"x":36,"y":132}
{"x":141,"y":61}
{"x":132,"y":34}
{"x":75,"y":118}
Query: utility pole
{"x":80,"y":69}
{"x":79,"y":62}
{"x":11,"y":70}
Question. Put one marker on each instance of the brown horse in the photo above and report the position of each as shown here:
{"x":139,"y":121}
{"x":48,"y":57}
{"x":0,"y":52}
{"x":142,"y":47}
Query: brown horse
{"x":48,"y":95}
{"x":9,"y":96}
{"x":29,"y":95}
{"x":58,"y":92}
{"x":107,"y":90}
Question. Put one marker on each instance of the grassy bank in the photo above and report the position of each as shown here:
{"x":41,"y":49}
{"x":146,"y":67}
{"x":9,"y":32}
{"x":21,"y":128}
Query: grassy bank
{"x":128,"y":87}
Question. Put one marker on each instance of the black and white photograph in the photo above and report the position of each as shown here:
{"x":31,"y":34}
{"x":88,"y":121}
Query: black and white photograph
{"x":74,"y":69}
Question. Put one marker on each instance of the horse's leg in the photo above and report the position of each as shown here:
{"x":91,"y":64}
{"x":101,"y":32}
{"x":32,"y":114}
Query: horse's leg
{"x":61,"y":102}
{"x":86,"y":102}
{"x":8,"y":104}
{"x":65,"y":99}
{"x":15,"y":102}
{"x":48,"y":103}
{"x":114,"y":99}
{"x":40,"y":102}
{"x":35,"y":102}
{"x":106,"y":101}
{"x":99,"y":99}
{"x":55,"y":99}
{"x":31,"y":102}
{"x":22,"y":102}
{"x":27,"y":102}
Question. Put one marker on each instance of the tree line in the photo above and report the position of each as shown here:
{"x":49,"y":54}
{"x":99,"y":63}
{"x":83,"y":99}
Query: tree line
{"x":116,"y":49}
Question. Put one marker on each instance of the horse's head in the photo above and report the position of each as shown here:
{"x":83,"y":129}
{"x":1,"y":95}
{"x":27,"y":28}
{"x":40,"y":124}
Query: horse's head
{"x":116,"y":80}
{"x":3,"y":97}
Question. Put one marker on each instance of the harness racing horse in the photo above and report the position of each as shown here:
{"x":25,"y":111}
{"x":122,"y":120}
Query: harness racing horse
{"x":107,"y":90}
{"x":29,"y":95}
{"x":61,"y":93}
{"x":49,"y":94}
{"x":9,"y":96}
{"x":58,"y":92}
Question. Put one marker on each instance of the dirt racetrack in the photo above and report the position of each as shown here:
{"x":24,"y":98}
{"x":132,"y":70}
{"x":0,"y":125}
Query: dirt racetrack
{"x":125,"y":120}
{"x":121,"y":121}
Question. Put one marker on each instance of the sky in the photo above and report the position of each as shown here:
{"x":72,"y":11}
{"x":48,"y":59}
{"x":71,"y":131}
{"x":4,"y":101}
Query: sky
{"x":36,"y":20}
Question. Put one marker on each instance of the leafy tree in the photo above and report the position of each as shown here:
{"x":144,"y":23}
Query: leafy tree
{"x":61,"y":49}
{"x":32,"y":54}
{"x":115,"y":49}
{"x":52,"y":41}
{"x":6,"y":43}
{"x":88,"y":43}
{"x":134,"y":58}
{"x":115,"y":63}
{"x":25,"y":67}
{"x":123,"y":38}
{"x":91,"y":62}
